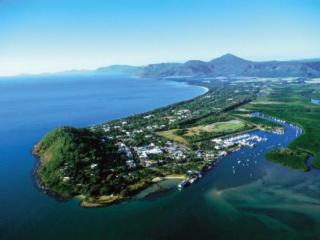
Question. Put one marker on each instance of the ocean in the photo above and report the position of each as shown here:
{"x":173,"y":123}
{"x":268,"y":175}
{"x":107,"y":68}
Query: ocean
{"x":33,"y":105}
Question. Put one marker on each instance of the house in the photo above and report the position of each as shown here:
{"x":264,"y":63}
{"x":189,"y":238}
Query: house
{"x":93,"y":165}
{"x":122,"y":147}
{"x":147,"y":163}
{"x":155,"y":150}
{"x":199,"y":153}
{"x":66,"y":179}
{"x":131,"y":164}
{"x":178,"y":154}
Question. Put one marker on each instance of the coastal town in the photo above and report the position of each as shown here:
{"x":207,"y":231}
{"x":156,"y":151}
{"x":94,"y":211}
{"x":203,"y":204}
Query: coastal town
{"x":181,"y":141}
{"x":143,"y":142}
{"x":121,"y":157}
{"x":112,"y":161}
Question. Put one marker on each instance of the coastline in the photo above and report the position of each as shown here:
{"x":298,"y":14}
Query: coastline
{"x":169,"y":177}
{"x":104,"y":200}
{"x":38,"y":181}
{"x":205,"y":89}
{"x":133,"y":188}
{"x":89,"y":200}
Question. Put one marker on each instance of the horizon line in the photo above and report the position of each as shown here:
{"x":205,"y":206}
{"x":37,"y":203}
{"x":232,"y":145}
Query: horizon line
{"x":132,"y":65}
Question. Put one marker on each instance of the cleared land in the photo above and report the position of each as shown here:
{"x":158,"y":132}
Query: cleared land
{"x":171,"y":135}
{"x":232,"y":125}
{"x":215,"y":129}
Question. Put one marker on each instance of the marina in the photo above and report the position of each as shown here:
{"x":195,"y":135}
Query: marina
{"x":192,"y":176}
{"x":242,"y":143}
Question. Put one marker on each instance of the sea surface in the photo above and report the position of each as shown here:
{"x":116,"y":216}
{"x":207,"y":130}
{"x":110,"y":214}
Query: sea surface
{"x":253,"y":199}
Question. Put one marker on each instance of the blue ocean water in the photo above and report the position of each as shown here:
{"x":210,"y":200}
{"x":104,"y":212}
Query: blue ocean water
{"x":31,"y":106}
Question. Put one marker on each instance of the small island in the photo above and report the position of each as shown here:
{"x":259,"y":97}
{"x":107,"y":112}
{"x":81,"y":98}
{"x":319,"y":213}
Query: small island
{"x":113,"y":161}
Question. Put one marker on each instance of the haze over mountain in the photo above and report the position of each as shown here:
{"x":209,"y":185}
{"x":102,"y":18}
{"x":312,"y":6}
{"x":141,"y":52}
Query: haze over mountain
{"x":124,"y":69}
{"x":226,"y":65}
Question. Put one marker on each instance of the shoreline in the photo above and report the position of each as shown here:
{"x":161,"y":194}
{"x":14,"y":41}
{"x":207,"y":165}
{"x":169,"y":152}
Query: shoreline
{"x":169,"y":177}
{"x":97,"y":200}
{"x":39,"y":183}
{"x":115,"y":199}
{"x":105,"y":200}
{"x":205,"y":89}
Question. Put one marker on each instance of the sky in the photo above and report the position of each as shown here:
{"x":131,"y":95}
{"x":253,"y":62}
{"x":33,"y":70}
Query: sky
{"x":55,"y":35}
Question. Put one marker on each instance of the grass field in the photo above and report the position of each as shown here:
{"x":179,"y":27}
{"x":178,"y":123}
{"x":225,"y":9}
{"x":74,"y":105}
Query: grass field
{"x":214,"y":129}
{"x":171,"y":135}
{"x":296,"y":108}
{"x":228,"y":126}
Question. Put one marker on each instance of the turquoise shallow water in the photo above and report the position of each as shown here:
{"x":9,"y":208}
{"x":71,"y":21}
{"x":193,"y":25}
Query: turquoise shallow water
{"x":261,"y":200}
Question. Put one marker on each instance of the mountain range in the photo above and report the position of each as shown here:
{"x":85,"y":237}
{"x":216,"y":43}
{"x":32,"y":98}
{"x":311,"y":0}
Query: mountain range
{"x":226,"y":65}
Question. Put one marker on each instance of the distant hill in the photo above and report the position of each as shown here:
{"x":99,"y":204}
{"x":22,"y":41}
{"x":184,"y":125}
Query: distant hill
{"x":121,"y":69}
{"x":230,"y":65}
{"x":226,"y":65}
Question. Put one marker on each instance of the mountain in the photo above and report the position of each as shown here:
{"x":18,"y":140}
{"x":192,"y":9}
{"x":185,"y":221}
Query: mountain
{"x":226,"y":65}
{"x":121,"y":69}
{"x":190,"y":68}
{"x":231,"y":65}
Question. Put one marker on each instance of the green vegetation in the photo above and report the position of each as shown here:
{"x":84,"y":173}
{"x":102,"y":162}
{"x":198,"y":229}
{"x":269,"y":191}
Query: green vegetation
{"x":201,"y":132}
{"x":259,"y":122}
{"x":113,"y":160}
{"x":288,"y":157}
{"x":263,"y":122}
{"x":217,"y":128}
{"x":293,"y":105}
{"x":172,"y":135}
{"x":67,"y":155}
{"x":181,"y":132}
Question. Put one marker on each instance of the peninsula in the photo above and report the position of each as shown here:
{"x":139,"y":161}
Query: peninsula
{"x":110,"y":162}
